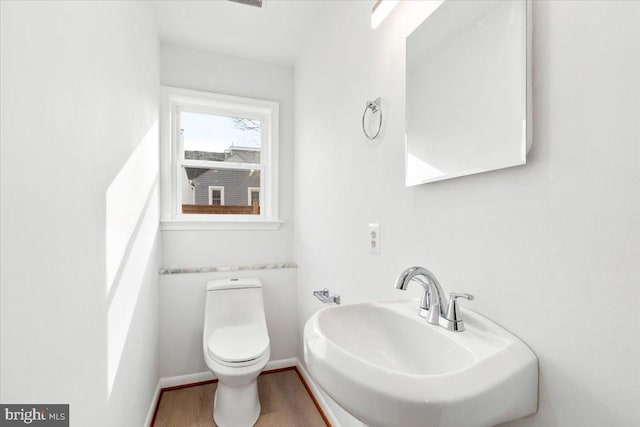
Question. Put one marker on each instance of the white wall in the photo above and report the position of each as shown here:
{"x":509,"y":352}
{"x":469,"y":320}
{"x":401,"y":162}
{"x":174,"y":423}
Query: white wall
{"x":551,"y":250}
{"x":79,"y":212}
{"x":182,"y":296}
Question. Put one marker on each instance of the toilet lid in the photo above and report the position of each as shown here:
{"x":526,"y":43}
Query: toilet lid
{"x":238,"y":343}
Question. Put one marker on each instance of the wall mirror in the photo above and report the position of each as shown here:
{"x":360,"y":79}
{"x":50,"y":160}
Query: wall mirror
{"x":468,"y":90}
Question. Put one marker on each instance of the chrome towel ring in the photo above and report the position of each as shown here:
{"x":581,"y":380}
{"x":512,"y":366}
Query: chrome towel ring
{"x":374,"y":106}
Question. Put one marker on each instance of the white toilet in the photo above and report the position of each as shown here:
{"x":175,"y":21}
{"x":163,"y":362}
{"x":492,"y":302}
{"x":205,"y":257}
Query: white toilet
{"x":236,"y":348}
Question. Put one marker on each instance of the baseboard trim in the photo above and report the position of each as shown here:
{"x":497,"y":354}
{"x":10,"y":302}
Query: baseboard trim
{"x":321,"y":403}
{"x":180,"y":380}
{"x":153,"y":408}
{"x":282,"y":363}
{"x":313,"y":396}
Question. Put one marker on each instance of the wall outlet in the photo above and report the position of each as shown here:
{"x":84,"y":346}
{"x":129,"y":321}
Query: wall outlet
{"x":374,"y":238}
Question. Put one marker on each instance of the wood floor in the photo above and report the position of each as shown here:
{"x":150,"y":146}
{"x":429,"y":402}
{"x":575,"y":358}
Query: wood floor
{"x":285,"y":402}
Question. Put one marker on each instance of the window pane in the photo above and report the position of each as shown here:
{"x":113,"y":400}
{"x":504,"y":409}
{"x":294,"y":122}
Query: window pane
{"x":220,"y":191}
{"x":215,"y":196}
{"x":220,"y":138}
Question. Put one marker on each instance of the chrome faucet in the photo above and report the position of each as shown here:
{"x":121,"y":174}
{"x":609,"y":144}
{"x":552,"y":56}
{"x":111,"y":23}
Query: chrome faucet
{"x":432,"y":303}
{"x":433,"y":300}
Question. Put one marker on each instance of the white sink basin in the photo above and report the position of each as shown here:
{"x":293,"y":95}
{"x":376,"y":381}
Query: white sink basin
{"x":388,"y":367}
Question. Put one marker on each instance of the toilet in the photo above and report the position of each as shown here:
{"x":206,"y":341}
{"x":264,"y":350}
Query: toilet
{"x":236,"y":348}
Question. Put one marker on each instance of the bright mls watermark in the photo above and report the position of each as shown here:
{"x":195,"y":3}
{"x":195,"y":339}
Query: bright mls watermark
{"x":34,"y":415}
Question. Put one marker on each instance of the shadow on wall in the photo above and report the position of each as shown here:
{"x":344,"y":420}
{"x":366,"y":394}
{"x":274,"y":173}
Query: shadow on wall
{"x":132,"y":217}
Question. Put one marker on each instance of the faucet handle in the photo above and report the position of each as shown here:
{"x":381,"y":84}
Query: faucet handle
{"x":455,"y":295}
{"x":453,"y":319}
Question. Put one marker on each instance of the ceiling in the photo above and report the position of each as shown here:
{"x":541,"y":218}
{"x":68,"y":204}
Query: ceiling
{"x":274,"y":33}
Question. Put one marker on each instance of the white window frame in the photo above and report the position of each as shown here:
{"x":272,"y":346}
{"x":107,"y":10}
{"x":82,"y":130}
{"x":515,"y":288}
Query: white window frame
{"x":249,"y":190}
{"x":175,"y":100}
{"x":216,"y":187}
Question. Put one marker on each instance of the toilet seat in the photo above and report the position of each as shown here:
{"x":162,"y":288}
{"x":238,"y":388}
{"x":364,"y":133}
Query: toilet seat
{"x":238,"y":345}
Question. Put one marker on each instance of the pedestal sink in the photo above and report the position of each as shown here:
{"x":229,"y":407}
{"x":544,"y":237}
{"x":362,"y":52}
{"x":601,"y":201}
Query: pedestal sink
{"x":387,"y":367}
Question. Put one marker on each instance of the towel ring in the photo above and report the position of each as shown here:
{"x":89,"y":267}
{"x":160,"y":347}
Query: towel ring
{"x":374,"y":106}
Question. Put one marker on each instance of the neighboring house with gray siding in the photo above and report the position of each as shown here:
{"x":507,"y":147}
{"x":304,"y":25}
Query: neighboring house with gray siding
{"x":227,"y":187}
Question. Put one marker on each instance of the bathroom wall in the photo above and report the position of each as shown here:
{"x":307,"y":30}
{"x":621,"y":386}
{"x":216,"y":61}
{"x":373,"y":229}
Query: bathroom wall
{"x":182,"y":295}
{"x":79,"y":214}
{"x":551,"y":250}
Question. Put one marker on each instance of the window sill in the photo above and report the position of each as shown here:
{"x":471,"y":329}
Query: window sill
{"x":198,"y":224}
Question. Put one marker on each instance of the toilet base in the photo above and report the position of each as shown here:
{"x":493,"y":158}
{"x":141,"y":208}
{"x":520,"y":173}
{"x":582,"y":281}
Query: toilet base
{"x":237,"y":406}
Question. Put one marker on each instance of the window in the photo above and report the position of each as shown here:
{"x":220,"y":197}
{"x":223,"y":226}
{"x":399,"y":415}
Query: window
{"x":219,"y":161}
{"x":253,"y":195}
{"x":216,"y":196}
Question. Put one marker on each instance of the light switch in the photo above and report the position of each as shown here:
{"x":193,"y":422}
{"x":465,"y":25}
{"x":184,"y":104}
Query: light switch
{"x":374,"y":238}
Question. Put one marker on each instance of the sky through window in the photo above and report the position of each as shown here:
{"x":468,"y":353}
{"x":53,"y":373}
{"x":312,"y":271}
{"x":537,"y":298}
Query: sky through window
{"x":211,"y":133}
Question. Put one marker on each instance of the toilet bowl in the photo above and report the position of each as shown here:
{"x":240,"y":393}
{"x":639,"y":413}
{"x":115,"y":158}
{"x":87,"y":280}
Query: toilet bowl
{"x":236,"y":348}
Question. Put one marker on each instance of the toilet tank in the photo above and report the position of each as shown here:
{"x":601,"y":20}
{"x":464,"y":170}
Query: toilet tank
{"x":234,"y":302}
